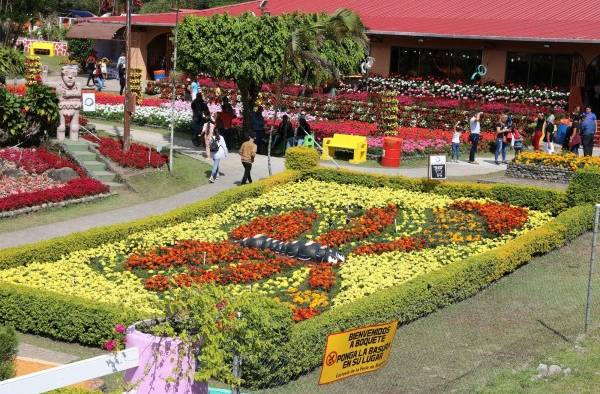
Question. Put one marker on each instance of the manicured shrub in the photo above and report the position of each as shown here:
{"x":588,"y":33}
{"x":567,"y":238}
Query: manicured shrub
{"x":584,"y":187}
{"x":8,"y":351}
{"x":301,"y":158}
{"x":59,"y":316}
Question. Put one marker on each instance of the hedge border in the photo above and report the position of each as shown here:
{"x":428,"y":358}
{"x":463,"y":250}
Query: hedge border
{"x":429,"y":292}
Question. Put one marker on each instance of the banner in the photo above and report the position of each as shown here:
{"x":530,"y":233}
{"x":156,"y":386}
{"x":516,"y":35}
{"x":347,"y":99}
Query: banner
{"x":357,"y":351}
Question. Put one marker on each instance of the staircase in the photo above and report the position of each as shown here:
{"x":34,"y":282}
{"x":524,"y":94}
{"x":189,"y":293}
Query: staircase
{"x":80,"y":150}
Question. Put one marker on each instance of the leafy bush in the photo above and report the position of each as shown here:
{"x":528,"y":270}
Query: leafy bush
{"x":584,"y":186}
{"x":12,"y":121}
{"x":79,"y":50}
{"x":59,"y":316}
{"x":8,"y":351}
{"x":301,"y":158}
{"x":266,"y":325}
{"x":12,"y":62}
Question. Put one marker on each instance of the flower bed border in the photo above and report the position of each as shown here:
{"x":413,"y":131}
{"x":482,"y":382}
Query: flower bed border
{"x":405,"y":302}
{"x":24,"y":210}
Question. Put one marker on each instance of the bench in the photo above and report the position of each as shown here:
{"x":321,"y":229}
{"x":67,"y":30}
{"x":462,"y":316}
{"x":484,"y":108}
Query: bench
{"x":356,"y":143}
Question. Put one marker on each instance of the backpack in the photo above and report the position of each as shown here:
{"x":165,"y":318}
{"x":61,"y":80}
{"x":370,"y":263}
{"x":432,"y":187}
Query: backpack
{"x":214,"y":145}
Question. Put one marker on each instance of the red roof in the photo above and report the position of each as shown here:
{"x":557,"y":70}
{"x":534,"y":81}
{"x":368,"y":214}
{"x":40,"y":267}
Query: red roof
{"x":528,"y":20}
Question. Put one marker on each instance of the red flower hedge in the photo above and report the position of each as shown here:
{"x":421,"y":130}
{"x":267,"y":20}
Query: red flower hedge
{"x":138,"y":156}
{"x":37,"y":161}
{"x":75,"y":188}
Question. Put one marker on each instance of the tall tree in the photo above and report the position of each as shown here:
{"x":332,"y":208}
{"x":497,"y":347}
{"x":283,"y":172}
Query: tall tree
{"x":251,"y":50}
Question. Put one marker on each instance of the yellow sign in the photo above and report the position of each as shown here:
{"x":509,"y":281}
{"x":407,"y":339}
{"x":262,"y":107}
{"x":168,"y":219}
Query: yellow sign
{"x":357,"y":351}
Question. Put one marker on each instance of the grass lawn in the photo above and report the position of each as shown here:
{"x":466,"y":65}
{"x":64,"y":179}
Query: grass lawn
{"x":53,"y":62}
{"x":188,"y":174}
{"x":515,"y":322}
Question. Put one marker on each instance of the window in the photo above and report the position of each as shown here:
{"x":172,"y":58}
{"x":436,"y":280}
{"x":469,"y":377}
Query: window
{"x":530,"y":69}
{"x":453,"y":64}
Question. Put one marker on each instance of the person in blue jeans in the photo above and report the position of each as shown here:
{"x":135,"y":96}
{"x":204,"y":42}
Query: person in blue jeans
{"x":588,"y":130}
{"x":218,"y":151}
{"x":457,"y":131}
{"x":501,"y":132}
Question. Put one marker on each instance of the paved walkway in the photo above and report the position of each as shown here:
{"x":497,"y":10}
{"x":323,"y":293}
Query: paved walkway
{"x":231,"y":170}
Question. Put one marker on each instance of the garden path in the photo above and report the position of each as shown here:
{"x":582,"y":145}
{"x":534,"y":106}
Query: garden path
{"x":232,"y":172}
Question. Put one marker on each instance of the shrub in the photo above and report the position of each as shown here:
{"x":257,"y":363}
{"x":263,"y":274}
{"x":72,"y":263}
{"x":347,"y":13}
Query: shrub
{"x":12,"y":61}
{"x":584,"y":186}
{"x":267,"y":325}
{"x":63,"y":317}
{"x":8,"y":351}
{"x":301,"y":158}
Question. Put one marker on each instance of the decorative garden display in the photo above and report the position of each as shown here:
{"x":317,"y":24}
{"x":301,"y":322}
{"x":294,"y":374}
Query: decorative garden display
{"x":388,"y":113}
{"x":69,"y":102}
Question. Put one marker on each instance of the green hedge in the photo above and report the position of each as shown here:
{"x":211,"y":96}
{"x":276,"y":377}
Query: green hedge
{"x":429,"y":292}
{"x":584,"y":187}
{"x":301,"y":158}
{"x":53,"y":249}
{"x":8,"y":352}
{"x":59,"y":316}
{"x":532,"y":197}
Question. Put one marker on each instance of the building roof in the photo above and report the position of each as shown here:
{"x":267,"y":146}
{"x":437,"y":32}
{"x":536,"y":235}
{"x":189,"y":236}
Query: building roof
{"x":526,"y":20}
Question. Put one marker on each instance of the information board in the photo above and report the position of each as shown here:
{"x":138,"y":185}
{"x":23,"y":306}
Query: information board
{"x":437,"y":167}
{"x":89,"y":101}
{"x":357,"y":351}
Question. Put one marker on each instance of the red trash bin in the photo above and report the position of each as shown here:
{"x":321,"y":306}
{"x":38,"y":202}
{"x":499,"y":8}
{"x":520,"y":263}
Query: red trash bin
{"x":392,"y":152}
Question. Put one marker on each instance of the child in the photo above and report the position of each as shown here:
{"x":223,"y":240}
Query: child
{"x":517,"y":142}
{"x":457,"y":131}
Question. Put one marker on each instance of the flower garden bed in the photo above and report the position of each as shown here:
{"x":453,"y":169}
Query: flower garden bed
{"x":138,"y":156}
{"x":558,"y":168}
{"x":411,"y":247}
{"x":27,"y":180}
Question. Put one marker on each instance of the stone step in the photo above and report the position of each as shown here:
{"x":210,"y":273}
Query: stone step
{"x":104,"y":176}
{"x":76,"y":146}
{"x":94,"y":165}
{"x":85,"y":156}
{"x":115,"y":186}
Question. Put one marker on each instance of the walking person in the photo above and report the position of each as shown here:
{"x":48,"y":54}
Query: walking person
{"x":194,"y":89}
{"x":224,"y":121}
{"x":285,"y":131}
{"x":588,"y":130}
{"x":90,"y":65}
{"x":517,"y":142}
{"x":258,"y":126}
{"x":104,"y":67}
{"x":501,"y":132}
{"x":475,"y":134}
{"x":99,"y":77}
{"x":457,"y":131}
{"x":122,"y":61}
{"x":247,"y":155}
{"x":218,"y":151}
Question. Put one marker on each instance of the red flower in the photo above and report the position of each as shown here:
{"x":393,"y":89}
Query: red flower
{"x":405,"y":244}
{"x":500,"y":218}
{"x":284,"y":227}
{"x":110,"y":345}
{"x":321,"y":276}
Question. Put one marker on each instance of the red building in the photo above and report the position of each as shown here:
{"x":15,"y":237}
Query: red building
{"x":543,"y":43}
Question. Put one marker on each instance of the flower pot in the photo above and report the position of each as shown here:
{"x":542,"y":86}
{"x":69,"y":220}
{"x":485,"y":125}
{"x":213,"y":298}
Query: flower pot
{"x":159,"y":360}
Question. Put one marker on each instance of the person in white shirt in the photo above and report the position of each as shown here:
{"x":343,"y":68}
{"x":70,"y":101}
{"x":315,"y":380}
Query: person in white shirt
{"x":457,"y":131}
{"x":218,"y":151}
{"x":475,"y":134}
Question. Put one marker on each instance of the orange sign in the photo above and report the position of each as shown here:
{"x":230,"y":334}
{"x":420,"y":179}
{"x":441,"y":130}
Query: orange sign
{"x":357,"y":351}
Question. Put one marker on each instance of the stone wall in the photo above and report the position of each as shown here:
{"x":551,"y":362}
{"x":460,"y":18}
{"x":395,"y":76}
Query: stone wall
{"x":61,"y":48}
{"x":538,"y":172}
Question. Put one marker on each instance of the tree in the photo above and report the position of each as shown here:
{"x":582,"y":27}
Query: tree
{"x":251,"y":50}
{"x":302,"y":52}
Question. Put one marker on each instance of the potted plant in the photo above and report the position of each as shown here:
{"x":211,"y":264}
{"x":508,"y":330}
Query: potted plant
{"x":180,"y":352}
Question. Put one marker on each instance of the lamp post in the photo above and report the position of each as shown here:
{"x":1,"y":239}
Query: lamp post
{"x":173,"y":70}
{"x":128,"y":99}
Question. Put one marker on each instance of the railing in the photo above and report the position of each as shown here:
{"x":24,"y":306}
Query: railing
{"x":65,"y":375}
